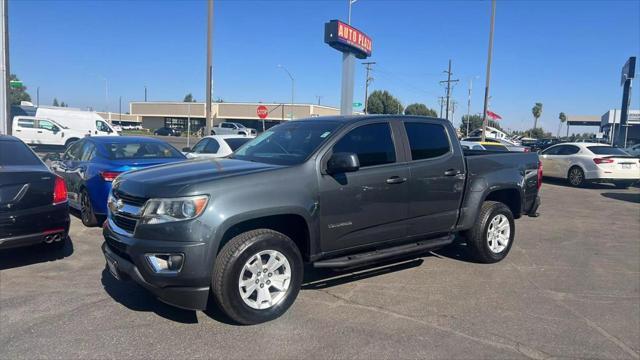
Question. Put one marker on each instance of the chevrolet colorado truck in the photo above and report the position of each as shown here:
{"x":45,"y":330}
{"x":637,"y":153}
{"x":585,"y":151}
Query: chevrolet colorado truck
{"x":335,"y":192}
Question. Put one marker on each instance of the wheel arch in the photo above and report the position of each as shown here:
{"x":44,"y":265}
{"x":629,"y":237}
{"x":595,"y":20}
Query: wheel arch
{"x":510,"y":196}
{"x":291,"y":224}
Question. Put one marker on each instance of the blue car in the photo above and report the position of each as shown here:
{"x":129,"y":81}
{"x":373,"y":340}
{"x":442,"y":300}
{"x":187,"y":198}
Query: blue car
{"x":90,"y":165}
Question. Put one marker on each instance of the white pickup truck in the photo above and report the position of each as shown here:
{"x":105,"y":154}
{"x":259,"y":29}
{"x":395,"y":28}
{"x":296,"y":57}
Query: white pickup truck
{"x":230,"y":128}
{"x":59,"y":126}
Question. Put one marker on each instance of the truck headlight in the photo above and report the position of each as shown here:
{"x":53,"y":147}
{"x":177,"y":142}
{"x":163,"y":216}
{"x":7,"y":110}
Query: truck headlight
{"x":158,"y":211}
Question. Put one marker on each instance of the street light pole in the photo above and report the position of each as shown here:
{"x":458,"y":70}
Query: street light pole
{"x":145,"y":93}
{"x":38,"y":96}
{"x":351,"y":2}
{"x":489,"y":56}
{"x":292,"y":87}
{"x":208,"y":116}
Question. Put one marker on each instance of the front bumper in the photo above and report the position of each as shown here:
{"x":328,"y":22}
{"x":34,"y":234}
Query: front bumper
{"x":188,"y":289}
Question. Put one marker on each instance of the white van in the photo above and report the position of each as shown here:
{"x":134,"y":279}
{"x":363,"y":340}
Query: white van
{"x":59,"y":126}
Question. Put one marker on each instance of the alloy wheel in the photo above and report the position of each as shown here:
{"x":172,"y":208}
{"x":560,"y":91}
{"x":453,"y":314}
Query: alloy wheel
{"x":498,"y":233}
{"x":264,"y":279}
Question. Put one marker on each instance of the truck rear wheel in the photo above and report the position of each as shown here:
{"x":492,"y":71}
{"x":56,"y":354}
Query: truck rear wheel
{"x":257,"y":276}
{"x":492,"y":236}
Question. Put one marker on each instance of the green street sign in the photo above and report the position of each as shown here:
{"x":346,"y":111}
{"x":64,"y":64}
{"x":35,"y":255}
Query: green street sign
{"x":15,"y":84}
{"x":357,"y":104}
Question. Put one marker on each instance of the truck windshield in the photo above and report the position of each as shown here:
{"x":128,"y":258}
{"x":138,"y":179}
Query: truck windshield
{"x":287,"y":144}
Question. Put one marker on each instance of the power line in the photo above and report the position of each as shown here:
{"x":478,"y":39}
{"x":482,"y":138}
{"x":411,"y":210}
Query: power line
{"x":367,"y":81}
{"x":449,"y":81}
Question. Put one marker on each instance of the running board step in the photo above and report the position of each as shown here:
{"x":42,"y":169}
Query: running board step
{"x":382,"y":254}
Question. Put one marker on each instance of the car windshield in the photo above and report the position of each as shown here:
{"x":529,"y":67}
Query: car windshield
{"x":607,"y":150}
{"x":287,"y":144}
{"x":14,"y":153}
{"x":141,"y":150}
{"x":234,"y":144}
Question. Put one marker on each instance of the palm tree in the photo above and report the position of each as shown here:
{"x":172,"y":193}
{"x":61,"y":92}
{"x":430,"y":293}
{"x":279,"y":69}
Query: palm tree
{"x":562,"y":118}
{"x":537,"y":112}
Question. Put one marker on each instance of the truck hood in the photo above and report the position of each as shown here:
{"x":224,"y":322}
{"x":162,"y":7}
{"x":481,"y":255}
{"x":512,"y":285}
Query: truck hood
{"x":169,"y":179}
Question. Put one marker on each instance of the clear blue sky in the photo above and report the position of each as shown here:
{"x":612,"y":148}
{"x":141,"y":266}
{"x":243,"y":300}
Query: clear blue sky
{"x":565,"y":54}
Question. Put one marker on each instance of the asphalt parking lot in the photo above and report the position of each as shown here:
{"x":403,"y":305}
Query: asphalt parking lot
{"x":570,"y":288}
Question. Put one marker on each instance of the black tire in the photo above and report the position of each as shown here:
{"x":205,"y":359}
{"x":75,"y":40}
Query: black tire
{"x":229,"y":266}
{"x":213,"y":132}
{"x":575,"y":176}
{"x":242,"y":133}
{"x":69,"y":142}
{"x":623,"y":184}
{"x":87,"y":215}
{"x":478,"y":238}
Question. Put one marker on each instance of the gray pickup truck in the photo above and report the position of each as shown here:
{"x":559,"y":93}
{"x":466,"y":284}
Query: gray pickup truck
{"x":335,"y":192}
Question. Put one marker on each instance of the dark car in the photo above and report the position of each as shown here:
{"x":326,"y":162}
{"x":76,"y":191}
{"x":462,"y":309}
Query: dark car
{"x":165,"y":131}
{"x":90,"y":165}
{"x":33,"y":200}
{"x":335,"y":192}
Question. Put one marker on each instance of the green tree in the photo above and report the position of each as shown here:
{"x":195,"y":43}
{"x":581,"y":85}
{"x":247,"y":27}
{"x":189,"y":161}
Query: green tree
{"x":55,"y":102}
{"x":562,"y":118}
{"x":189,"y":98}
{"x":62,"y":104}
{"x":420,"y":109}
{"x":536,"y":110}
{"x":475,"y":122}
{"x":538,"y":133}
{"x":382,"y":102}
{"x":18,"y":95}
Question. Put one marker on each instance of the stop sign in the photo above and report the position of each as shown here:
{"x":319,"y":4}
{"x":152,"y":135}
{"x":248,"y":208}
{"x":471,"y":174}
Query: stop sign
{"x":262,"y":111}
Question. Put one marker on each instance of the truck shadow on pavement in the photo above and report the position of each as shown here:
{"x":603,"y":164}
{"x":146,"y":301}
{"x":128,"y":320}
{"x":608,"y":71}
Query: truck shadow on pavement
{"x":625,"y":196}
{"x":28,"y":255}
{"x":136,"y":298}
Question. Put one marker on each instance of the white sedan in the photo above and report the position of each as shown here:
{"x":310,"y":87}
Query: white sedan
{"x":590,"y":162}
{"x":216,"y":146}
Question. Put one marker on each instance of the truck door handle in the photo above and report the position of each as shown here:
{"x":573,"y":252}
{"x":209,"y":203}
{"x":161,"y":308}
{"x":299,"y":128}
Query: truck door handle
{"x":451,"y":172}
{"x":396,"y":180}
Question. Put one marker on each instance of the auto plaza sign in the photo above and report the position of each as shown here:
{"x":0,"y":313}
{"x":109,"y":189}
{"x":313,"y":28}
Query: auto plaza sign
{"x":346,"y":38}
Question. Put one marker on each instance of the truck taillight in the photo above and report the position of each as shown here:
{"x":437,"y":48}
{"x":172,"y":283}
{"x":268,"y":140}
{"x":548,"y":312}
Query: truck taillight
{"x":109,"y":175}
{"x":602,"y":161}
{"x":527,"y":149}
{"x":539,"y":174}
{"x":59,"y":191}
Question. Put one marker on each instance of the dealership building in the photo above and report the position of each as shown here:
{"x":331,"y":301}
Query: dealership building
{"x":153,"y":115}
{"x":610,"y":121}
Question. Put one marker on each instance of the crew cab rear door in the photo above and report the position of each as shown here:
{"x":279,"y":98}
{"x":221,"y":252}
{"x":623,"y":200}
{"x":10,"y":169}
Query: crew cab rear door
{"x":436,"y":181}
{"x":369,"y":205}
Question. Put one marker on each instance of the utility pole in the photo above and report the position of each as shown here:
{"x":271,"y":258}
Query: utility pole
{"x":5,"y":73}
{"x":367,"y":81}
{"x":448,"y":81}
{"x":208,"y":117}
{"x":489,"y":56}
{"x":469,"y":105}
{"x":120,"y":110}
{"x":441,"y":101}
{"x":38,"y":96}
{"x":145,"y":93}
{"x":318,"y":97}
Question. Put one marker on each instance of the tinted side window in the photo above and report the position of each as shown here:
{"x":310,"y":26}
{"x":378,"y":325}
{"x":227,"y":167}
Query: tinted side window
{"x":44,"y":124}
{"x":372,"y":143}
{"x":200,"y":145}
{"x":26,"y":123}
{"x":212,"y":147}
{"x":73,"y":152}
{"x":568,"y":150}
{"x":87,"y":152}
{"x":427,"y":140}
{"x":552,"y":150}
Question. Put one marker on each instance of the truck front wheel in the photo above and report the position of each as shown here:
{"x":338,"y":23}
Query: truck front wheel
{"x":492,"y":236}
{"x":257,"y":276}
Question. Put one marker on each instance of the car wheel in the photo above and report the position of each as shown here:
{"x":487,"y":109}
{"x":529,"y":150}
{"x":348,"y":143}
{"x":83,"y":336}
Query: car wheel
{"x":242,"y":133}
{"x":491,"y":237}
{"x":576,"y":176}
{"x":257,"y":276}
{"x":86,"y":210}
{"x":70,"y":142}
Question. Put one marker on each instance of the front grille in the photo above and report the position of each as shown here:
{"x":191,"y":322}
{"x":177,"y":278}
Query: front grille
{"x":130,"y":199}
{"x":118,"y":248}
{"x":124,"y":223}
